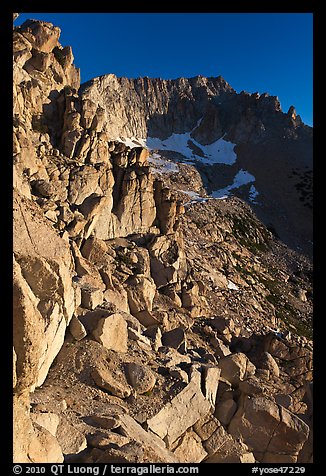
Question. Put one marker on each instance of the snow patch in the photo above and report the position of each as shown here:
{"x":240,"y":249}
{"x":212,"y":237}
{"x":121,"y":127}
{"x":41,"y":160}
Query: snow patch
{"x":243,"y":177}
{"x":194,"y":197}
{"x":162,"y":166}
{"x":132,"y":142}
{"x":232,"y":286}
{"x":219,"y":152}
{"x":253,"y":194}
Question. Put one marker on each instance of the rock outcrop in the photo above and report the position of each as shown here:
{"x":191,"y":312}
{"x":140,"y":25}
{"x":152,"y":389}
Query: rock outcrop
{"x":147,"y":327}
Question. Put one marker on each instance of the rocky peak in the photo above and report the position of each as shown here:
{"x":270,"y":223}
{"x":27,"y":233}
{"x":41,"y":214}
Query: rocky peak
{"x":153,"y":106}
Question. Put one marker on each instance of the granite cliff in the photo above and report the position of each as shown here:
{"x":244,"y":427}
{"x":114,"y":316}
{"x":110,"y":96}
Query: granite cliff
{"x":152,"y":322}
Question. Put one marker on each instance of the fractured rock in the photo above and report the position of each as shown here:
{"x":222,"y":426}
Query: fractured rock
{"x":216,"y":440}
{"x":206,"y":426}
{"x":49,"y":421}
{"x":44,"y":297}
{"x":70,"y":439}
{"x":149,"y":441}
{"x":175,"y":338}
{"x":181,"y":413}
{"x":268,"y":428}
{"x":107,"y":422}
{"x":190,"y":448}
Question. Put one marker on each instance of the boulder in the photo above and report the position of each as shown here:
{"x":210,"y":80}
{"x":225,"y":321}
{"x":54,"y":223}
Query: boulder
{"x":141,"y":291}
{"x":216,"y":440}
{"x":117,"y":295}
{"x":48,"y":451}
{"x":106,"y":422}
{"x":235,"y":368}
{"x":88,"y":274}
{"x":210,"y":379}
{"x":223,"y":448}
{"x":111,"y":331}
{"x":190,"y":448}
{"x":91,"y":297}
{"x":49,"y":421}
{"x":221,"y":350}
{"x":44,"y":296}
{"x":154,"y":333}
{"x":101,"y":439}
{"x":33,"y":443}
{"x":168,"y":261}
{"x":268,"y":362}
{"x":76,"y":328}
{"x":149,"y":441}
{"x":206,"y":426}
{"x":251,"y":386}
{"x":232,"y":451}
{"x":184,"y":410}
{"x":104,"y":378}
{"x":269,"y":428}
{"x":140,"y":338}
{"x":71,"y":440}
{"x":140,"y":377}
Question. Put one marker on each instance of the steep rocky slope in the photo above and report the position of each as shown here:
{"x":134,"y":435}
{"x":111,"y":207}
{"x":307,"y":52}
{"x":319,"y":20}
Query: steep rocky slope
{"x":152,"y":323}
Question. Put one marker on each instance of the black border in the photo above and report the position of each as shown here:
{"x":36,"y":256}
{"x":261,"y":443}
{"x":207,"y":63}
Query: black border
{"x":263,"y":6}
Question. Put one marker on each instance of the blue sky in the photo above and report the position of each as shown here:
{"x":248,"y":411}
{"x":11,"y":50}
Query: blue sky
{"x":263,"y":52}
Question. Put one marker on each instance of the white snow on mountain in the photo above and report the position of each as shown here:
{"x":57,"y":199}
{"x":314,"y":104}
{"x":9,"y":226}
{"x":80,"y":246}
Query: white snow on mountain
{"x":243,"y":177}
